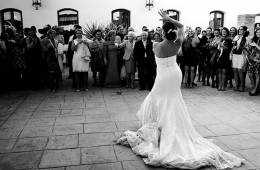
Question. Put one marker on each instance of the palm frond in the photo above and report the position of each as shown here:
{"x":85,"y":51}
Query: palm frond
{"x":89,"y":29}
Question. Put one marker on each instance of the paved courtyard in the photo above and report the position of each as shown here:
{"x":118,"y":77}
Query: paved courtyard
{"x":75,"y":130}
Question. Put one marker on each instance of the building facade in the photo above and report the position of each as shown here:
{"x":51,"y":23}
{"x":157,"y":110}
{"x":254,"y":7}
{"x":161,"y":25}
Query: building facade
{"x":131,"y":12}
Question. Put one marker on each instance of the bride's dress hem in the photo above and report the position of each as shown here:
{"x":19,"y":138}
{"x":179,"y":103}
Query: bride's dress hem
{"x":167,"y":137}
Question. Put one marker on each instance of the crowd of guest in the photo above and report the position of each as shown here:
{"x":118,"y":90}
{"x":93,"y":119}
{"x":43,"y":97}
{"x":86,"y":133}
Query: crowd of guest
{"x":28,"y":61}
{"x":216,"y":57}
{"x":221,"y":55}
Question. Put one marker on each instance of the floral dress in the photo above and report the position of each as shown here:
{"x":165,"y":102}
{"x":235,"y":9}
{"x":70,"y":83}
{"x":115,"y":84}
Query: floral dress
{"x":254,"y":59}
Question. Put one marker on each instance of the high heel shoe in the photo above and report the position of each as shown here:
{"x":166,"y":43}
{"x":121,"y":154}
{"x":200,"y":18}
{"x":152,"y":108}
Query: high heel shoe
{"x":241,"y":89}
{"x":252,"y":94}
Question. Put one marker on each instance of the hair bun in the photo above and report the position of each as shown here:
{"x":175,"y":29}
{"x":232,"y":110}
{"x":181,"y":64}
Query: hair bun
{"x":169,"y":31}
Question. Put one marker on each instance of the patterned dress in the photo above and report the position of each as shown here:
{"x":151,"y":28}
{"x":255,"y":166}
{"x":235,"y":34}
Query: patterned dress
{"x":254,"y":60}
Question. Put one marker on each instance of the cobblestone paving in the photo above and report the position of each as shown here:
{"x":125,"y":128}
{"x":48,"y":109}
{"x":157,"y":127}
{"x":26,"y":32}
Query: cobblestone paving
{"x":70,"y":130}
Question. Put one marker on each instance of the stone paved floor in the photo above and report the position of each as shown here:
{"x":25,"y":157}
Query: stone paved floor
{"x":75,"y":130}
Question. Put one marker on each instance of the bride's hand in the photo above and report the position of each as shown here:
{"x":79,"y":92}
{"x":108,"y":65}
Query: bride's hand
{"x":164,"y":15}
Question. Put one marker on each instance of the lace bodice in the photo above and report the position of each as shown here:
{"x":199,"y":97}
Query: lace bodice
{"x":166,"y":62}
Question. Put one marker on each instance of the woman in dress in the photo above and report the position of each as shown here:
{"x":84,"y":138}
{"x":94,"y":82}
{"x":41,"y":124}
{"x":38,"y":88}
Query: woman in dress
{"x":202,"y":59}
{"x":97,"y":61}
{"x":214,"y":53}
{"x":190,"y":59}
{"x":35,"y":67}
{"x":254,"y":63}
{"x":167,"y":137}
{"x":49,"y":49}
{"x":19,"y":64}
{"x":112,"y":59}
{"x":128,"y":59}
{"x":223,"y":60}
{"x":206,"y":51}
{"x":239,"y":62}
{"x":60,"y":43}
{"x":230,"y":74}
{"x":233,"y":32}
{"x":80,"y":61}
{"x":157,"y":37}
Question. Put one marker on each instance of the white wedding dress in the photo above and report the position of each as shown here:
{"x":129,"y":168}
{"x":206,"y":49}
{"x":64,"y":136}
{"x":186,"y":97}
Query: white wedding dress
{"x":167,"y":137}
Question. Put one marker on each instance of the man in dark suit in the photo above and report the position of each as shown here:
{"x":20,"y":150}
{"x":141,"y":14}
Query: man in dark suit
{"x":144,"y":56}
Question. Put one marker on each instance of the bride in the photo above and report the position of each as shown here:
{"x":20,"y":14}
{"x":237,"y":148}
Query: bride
{"x":167,"y":137}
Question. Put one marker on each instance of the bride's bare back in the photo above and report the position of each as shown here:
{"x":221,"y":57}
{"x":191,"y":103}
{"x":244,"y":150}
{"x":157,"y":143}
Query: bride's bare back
{"x":167,"y":48}
{"x":173,"y":37}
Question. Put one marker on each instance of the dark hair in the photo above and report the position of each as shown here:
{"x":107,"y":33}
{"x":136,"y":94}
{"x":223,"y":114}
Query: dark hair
{"x":26,"y":31}
{"x":234,"y":29}
{"x":255,"y":38}
{"x":242,"y":42}
{"x":77,"y":27}
{"x":19,"y":40}
{"x":96,"y":31}
{"x":33,"y":28}
{"x":245,"y":29}
{"x":225,"y":28}
{"x":10,"y":32}
{"x":209,"y":28}
{"x":216,"y":29}
{"x":3,"y":36}
{"x":168,"y":29}
{"x":111,"y":33}
{"x":197,"y":28}
{"x":156,"y":33}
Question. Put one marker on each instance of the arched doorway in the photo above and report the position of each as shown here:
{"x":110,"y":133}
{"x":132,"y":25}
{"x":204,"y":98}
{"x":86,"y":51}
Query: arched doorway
{"x":173,"y":13}
{"x":121,"y":17}
{"x":12,"y":16}
{"x":67,"y":16}
{"x":216,"y":19}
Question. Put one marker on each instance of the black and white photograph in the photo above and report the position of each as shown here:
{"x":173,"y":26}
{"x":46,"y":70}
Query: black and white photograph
{"x":129,"y":85}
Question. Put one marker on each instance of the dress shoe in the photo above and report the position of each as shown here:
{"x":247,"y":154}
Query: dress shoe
{"x":252,"y":94}
{"x":241,"y":89}
{"x":235,"y":89}
{"x":194,"y":84}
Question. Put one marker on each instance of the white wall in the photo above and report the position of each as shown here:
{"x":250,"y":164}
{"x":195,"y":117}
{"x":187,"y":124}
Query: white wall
{"x":192,"y":13}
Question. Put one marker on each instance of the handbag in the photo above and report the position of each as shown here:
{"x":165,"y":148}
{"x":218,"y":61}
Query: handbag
{"x":60,"y":48}
{"x":86,"y":53}
{"x":123,"y":73}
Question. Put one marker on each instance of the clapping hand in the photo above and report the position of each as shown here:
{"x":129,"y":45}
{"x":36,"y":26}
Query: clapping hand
{"x":85,"y":42}
{"x":253,"y":44}
{"x":80,"y":41}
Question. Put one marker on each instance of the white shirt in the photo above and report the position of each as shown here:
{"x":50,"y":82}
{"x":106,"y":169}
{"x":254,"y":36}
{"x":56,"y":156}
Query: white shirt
{"x":144,"y":43}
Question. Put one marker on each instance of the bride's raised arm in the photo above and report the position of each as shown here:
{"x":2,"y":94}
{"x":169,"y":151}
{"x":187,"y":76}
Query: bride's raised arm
{"x":166,"y":18}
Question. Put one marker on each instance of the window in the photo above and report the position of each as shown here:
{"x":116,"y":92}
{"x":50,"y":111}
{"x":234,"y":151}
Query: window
{"x":216,"y":19}
{"x":173,"y":14}
{"x":68,"y":16}
{"x":11,"y":16}
{"x":121,"y":17}
{"x":257,"y":21}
